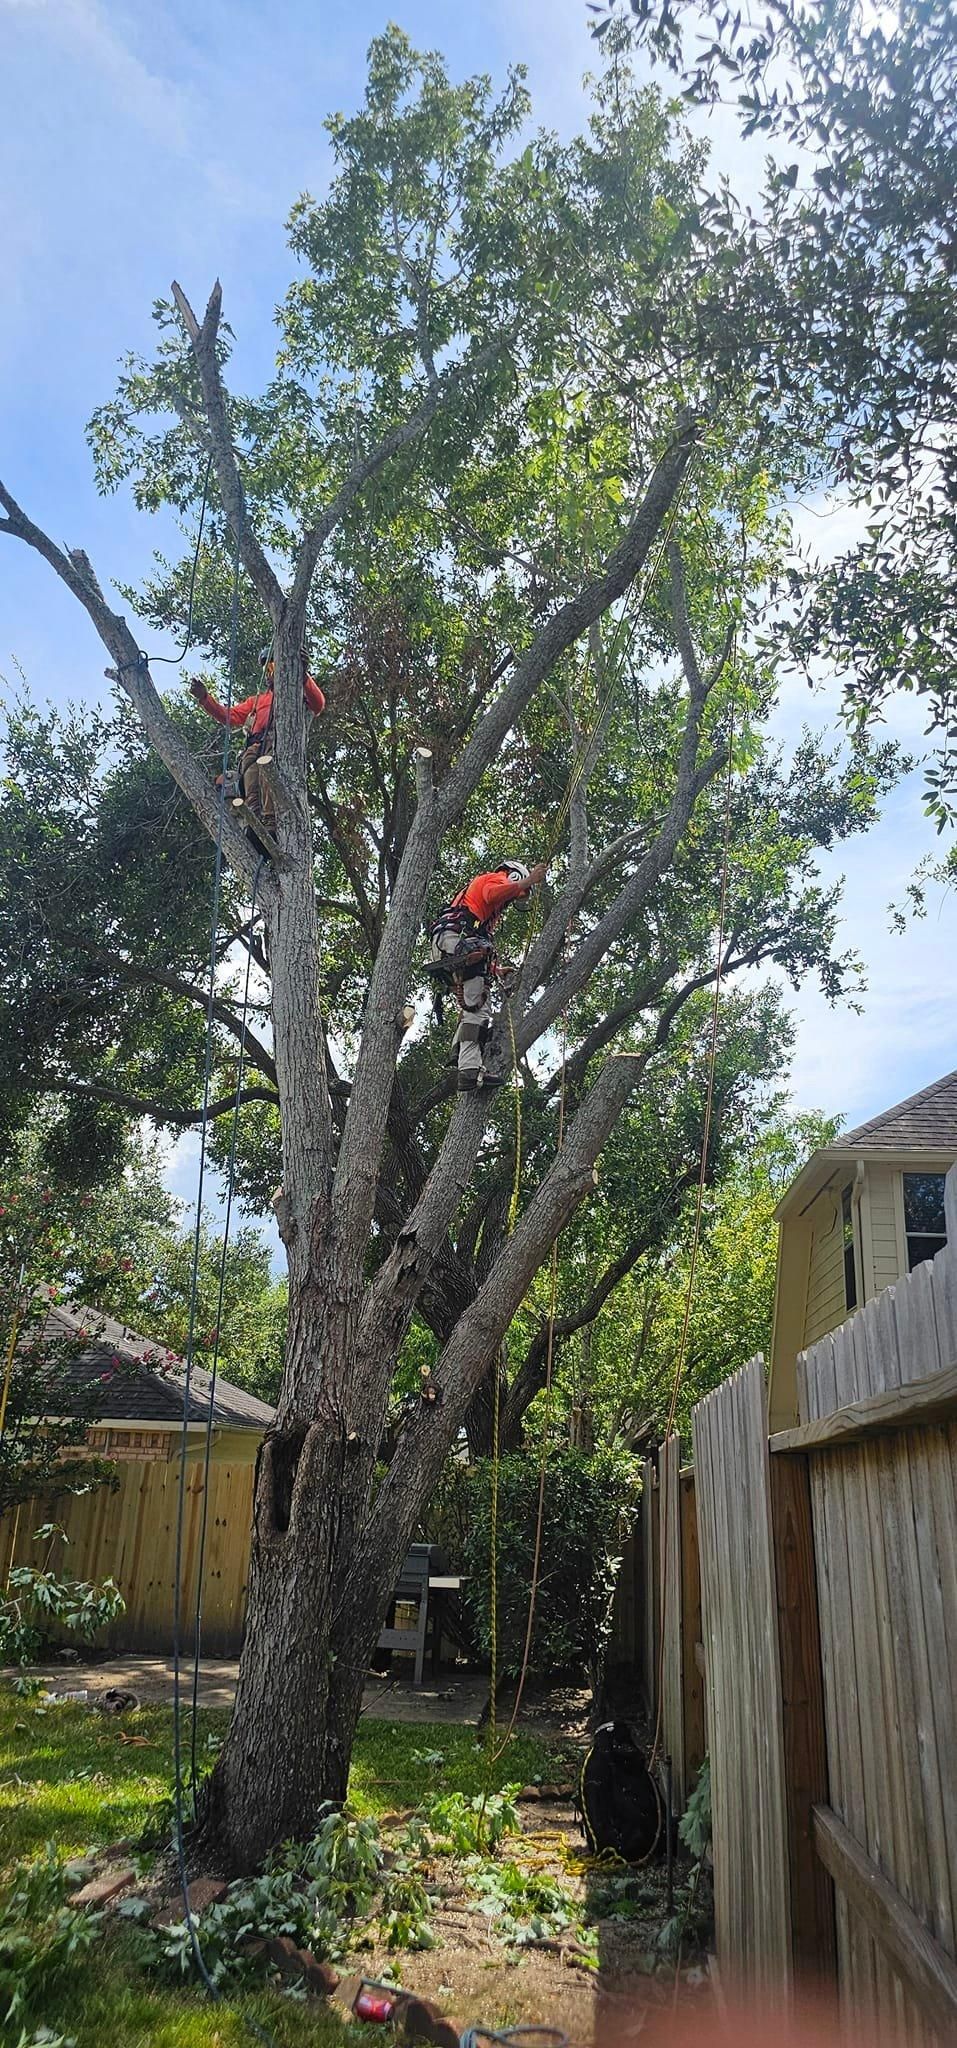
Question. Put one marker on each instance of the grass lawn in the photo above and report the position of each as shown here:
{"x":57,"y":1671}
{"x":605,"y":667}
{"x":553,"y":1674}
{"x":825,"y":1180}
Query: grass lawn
{"x":68,"y":1778}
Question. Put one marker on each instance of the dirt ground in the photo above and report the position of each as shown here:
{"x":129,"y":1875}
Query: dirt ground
{"x":473,"y":1977}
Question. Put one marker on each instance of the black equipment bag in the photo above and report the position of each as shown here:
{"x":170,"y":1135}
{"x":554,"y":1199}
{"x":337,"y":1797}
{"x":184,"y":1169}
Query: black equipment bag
{"x":621,"y":1806}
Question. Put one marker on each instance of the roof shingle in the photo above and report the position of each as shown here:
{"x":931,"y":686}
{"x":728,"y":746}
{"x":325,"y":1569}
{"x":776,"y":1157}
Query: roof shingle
{"x":925,"y":1122}
{"x":147,"y":1386}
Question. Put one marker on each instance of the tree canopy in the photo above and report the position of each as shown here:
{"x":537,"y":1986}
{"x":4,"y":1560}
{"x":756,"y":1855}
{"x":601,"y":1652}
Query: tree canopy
{"x":519,"y":482}
{"x":854,"y":236}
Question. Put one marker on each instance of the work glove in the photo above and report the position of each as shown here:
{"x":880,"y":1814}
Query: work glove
{"x":197,"y":689}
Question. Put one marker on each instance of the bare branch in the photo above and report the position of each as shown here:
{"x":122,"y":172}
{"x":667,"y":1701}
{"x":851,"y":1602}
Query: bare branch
{"x":139,"y":1105}
{"x":203,"y":339}
{"x":131,"y":671}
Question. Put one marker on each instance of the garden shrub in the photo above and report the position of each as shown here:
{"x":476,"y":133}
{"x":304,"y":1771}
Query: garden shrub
{"x":589,"y":1502}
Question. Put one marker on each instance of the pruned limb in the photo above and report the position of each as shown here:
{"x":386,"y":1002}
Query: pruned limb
{"x":274,"y":786}
{"x":131,"y":671}
{"x":203,"y":340}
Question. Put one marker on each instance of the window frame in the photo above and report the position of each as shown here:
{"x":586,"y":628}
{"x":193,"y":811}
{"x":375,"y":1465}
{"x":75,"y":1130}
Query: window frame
{"x":935,"y":1238}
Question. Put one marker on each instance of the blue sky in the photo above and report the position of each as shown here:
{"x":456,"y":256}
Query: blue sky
{"x":140,"y":143}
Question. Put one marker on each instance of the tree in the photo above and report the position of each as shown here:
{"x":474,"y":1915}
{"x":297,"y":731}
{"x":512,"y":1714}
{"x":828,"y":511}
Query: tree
{"x":856,"y":238}
{"x":45,"y":1413}
{"x":633,"y":1363}
{"x":502,"y":406}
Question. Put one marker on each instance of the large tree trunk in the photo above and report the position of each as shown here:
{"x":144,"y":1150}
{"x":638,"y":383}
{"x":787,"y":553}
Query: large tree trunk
{"x":306,"y":1652}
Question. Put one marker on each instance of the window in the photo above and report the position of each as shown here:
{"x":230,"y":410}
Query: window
{"x":924,"y":1223}
{"x":850,"y":1273}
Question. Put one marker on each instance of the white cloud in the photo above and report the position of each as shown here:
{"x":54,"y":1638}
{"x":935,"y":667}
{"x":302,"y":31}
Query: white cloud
{"x":159,"y":107}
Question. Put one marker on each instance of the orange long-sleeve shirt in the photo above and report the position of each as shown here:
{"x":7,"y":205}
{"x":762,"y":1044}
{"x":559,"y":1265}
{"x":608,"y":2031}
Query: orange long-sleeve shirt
{"x":258,"y":709}
{"x":487,"y":895}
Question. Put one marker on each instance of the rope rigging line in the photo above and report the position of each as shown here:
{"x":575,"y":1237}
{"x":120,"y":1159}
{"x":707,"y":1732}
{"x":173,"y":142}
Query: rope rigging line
{"x":681,"y":1358}
{"x":259,"y":2033}
{"x":616,"y":669}
{"x":173,"y":660}
{"x":221,"y":1290}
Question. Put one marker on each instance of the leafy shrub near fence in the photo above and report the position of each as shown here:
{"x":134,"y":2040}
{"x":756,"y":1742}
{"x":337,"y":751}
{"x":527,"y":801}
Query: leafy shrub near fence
{"x":589,"y":1504}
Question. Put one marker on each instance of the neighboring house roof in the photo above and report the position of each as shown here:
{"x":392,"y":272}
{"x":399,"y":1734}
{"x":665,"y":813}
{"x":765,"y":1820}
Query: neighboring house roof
{"x":146,"y":1382}
{"x":925,"y":1123}
{"x":926,"y":1120}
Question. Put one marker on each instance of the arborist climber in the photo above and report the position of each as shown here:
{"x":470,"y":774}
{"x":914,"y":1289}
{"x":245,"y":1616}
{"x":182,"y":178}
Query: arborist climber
{"x":463,"y":956}
{"x":255,"y":714}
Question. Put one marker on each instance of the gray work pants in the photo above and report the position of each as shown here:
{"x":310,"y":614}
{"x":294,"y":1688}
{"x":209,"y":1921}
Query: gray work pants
{"x":475,"y":1011}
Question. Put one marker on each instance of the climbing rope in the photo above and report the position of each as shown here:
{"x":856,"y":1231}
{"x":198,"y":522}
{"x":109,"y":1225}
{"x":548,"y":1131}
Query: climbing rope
{"x":259,"y":2033}
{"x":616,"y":667}
{"x":144,"y":661}
{"x":218,"y":1325}
{"x":681,"y":1357}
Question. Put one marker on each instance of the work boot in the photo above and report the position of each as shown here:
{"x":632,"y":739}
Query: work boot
{"x":474,"y":1084}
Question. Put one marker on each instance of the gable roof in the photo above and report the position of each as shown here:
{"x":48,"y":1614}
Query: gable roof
{"x":142,"y":1381}
{"x":927,"y":1121}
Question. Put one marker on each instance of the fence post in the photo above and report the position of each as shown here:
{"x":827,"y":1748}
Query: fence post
{"x":802,"y":1691}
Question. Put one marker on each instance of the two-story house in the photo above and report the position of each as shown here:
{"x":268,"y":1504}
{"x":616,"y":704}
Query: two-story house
{"x":859,"y":1215}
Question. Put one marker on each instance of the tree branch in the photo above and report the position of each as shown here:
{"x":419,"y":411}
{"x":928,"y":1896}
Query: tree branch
{"x":429,"y":1435}
{"x":203,"y":341}
{"x":132,"y":673}
{"x":566,"y":626}
{"x":145,"y":976}
{"x":368,"y":466}
{"x":160,"y":1112}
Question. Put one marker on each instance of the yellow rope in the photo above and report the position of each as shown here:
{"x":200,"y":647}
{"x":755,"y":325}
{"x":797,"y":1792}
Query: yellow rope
{"x":616,"y":667}
{"x":681,"y":1358}
{"x":8,"y":1369}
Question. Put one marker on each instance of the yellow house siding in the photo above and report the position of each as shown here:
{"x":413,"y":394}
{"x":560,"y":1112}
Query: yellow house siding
{"x":825,"y":1283}
{"x":883,"y":1188}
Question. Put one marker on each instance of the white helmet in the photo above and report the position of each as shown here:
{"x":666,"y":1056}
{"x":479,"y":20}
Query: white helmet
{"x":515,"y":870}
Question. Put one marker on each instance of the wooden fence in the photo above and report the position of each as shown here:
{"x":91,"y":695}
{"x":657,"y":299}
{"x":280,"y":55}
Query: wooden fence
{"x":130,"y":1535}
{"x":828,"y":1636}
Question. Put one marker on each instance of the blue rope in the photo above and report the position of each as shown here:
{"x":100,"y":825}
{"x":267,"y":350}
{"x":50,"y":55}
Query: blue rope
{"x":259,"y":2033}
{"x":230,"y":1191}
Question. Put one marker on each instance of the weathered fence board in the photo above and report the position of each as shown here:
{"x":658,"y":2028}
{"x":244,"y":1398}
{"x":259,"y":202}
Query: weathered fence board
{"x":650,"y":1592}
{"x":885,"y":1528}
{"x":740,"y":1633}
{"x":670,"y":1659}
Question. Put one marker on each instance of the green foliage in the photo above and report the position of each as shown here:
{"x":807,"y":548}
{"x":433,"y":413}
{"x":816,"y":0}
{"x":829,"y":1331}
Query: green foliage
{"x":691,"y":1919}
{"x":586,"y":1507}
{"x":632,"y":1358}
{"x":460,"y":1826}
{"x":855,"y":252}
{"x":37,"y":1604}
{"x":42,"y":1940}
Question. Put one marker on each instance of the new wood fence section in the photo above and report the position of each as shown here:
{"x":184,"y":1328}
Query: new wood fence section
{"x":828,"y":1604}
{"x":130,"y":1535}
